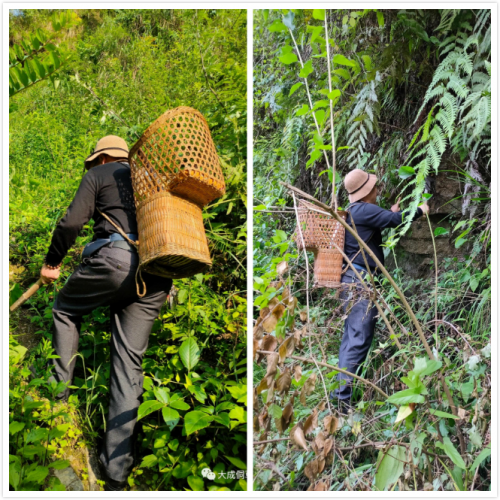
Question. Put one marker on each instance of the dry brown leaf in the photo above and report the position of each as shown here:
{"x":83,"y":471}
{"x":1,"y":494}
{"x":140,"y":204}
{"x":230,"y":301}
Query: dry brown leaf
{"x":322,"y":406}
{"x":292,"y":304}
{"x":328,"y":446}
{"x":272,"y":366}
{"x":258,"y":331}
{"x":273,"y":303}
{"x":285,"y":295}
{"x":307,"y":388}
{"x":282,"y":267}
{"x":297,"y":373}
{"x":319,"y":442}
{"x":286,"y":349}
{"x":284,"y":382}
{"x":256,"y":345}
{"x":256,"y":426}
{"x":278,"y":311}
{"x":269,"y":343}
{"x":321,"y":464}
{"x":321,"y":486}
{"x":303,"y":316}
{"x":262,"y":386}
{"x":269,"y":324}
{"x":276,"y":486}
{"x":286,"y":417}
{"x":264,"y":312}
{"x":330,"y":424}
{"x":297,"y":437}
{"x":270,"y":392}
{"x":255,"y":400}
{"x":263,"y":419}
{"x":311,"y":470}
{"x":462,"y":413}
{"x":311,"y":422}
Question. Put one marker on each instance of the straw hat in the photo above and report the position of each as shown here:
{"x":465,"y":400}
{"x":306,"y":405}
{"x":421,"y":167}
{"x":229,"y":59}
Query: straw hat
{"x":358,"y":184}
{"x":111,"y":145}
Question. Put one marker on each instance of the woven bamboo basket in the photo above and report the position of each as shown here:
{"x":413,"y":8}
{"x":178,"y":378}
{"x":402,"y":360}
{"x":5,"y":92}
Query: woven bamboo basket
{"x":177,"y":154}
{"x":321,"y":233}
{"x":172,"y":236}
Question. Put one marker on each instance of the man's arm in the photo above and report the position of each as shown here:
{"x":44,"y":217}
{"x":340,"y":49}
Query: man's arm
{"x":375,"y":216}
{"x":78,"y":214}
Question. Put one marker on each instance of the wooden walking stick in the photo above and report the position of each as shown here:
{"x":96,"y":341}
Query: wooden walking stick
{"x":26,"y":295}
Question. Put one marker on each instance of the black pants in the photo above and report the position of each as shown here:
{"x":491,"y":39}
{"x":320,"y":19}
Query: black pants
{"x":359,"y":328}
{"x":108,"y":278}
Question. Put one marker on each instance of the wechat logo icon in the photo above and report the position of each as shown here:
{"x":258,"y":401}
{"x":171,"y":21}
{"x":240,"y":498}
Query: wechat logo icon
{"x":207,"y":472}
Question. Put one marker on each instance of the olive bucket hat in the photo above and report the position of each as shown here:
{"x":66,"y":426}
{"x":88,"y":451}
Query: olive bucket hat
{"x":359,"y":184}
{"x":111,"y":145}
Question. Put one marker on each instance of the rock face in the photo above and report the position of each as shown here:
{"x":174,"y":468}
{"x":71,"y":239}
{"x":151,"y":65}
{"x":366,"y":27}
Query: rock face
{"x":69,"y":479}
{"x":414,"y":252}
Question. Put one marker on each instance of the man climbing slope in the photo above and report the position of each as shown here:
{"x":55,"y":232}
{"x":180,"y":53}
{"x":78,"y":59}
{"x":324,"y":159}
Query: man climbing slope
{"x":369,"y":219}
{"x":105,"y":277}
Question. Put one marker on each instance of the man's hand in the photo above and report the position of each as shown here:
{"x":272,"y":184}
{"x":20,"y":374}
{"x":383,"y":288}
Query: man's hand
{"x":395,"y":208}
{"x":49,"y":275}
{"x":424,"y":207}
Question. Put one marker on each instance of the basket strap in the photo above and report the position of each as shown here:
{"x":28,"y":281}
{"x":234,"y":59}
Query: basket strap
{"x":120,"y":230}
{"x":138,"y":273}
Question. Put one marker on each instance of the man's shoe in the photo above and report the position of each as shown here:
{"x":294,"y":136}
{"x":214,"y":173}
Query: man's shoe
{"x":112,"y":485}
{"x":342,"y":405}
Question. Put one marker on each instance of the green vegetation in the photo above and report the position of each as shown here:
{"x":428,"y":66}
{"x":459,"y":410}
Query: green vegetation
{"x":123,"y":69}
{"x":408,"y":93}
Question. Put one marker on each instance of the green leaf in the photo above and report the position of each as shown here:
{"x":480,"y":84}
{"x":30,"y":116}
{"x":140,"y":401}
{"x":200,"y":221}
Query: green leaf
{"x":162,"y":394}
{"x":288,"y":20}
{"x":50,"y":47}
{"x":239,"y":392}
{"x":189,"y":353}
{"x":306,"y":70}
{"x":443,"y":414}
{"x":425,"y":366}
{"x":481,"y":457}
{"x":196,"y":420}
{"x":405,"y":172}
{"x":456,"y":474}
{"x":182,"y":296}
{"x":390,"y":467}
{"x":196,"y":483}
{"x":316,"y":32}
{"x":289,"y":58}
{"x":340,"y":59}
{"x":380,"y":19}
{"x":277,"y":26}
{"x":237,"y":462}
{"x":59,"y":464}
{"x":334,"y":94}
{"x":459,"y":242}
{"x":440,"y":231}
{"x":148,"y":407}
{"x":149,"y":461}
{"x":303,"y":110}
{"x":37,"y":435}
{"x":451,"y":451}
{"x":170,"y":415}
{"x":223,"y":418}
{"x":319,"y":14}
{"x":404,"y":411}
{"x":15,"y":427}
{"x":295,"y":88}
{"x":405,"y":397}
{"x":367,"y":61}
{"x":38,"y":475}
{"x":179,"y":404}
{"x":275,"y":411}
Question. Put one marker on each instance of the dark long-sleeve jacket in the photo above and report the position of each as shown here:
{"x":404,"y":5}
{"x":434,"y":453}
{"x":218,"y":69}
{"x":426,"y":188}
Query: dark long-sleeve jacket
{"x":370,"y":218}
{"x":105,"y":187}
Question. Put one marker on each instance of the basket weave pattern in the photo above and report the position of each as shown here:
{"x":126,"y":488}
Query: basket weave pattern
{"x":177,"y":154}
{"x":172,"y":237}
{"x":321,"y":233}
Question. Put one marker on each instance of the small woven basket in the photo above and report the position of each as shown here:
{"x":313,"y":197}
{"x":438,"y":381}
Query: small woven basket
{"x":172,"y":237}
{"x":177,"y":154}
{"x":321,"y":233}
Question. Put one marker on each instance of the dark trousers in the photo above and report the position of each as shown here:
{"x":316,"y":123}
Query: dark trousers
{"x":359,"y":328}
{"x":108,"y":278}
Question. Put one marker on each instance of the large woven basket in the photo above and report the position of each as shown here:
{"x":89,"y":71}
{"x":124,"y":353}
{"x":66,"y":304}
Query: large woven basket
{"x":172,"y":241}
{"x":321,"y":233}
{"x":177,"y":154}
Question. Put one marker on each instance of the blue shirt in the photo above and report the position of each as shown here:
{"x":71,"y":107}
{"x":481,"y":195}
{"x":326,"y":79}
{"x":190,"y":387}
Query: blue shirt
{"x":370,"y":218}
